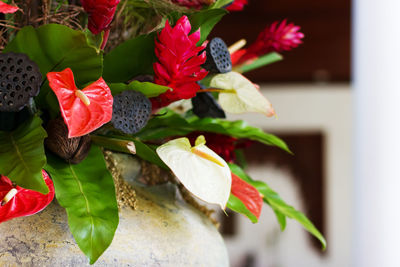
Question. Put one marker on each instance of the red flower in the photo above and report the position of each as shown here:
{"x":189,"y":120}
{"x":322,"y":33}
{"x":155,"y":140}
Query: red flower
{"x":179,"y":65}
{"x":7,"y":9}
{"x":83,"y":110}
{"x":17,"y":201}
{"x":197,"y":4}
{"x":237,"y":5}
{"x":101,"y":13}
{"x":248,"y":194}
{"x":277,"y":37}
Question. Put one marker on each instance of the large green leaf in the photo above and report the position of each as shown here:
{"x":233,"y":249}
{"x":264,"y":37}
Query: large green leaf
{"x":56,"y":47}
{"x":87,"y":192}
{"x":280,"y":207}
{"x":22,"y":156}
{"x":206,"y":20}
{"x":237,"y":205}
{"x":172,"y":124}
{"x":146,"y":88}
{"x":131,"y":58}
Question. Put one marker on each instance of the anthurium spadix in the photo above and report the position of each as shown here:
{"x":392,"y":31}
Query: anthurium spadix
{"x":239,"y":95}
{"x":201,"y":171}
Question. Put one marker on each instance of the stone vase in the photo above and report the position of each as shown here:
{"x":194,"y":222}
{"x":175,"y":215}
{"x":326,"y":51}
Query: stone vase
{"x":162,"y":231}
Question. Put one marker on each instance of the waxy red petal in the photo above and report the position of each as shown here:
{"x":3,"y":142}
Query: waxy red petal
{"x":80,"y":118}
{"x":248,"y":194}
{"x":26,"y":202}
{"x":7,"y":9}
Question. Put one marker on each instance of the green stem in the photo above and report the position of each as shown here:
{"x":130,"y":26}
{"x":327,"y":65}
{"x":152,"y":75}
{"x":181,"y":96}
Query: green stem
{"x":230,"y":91}
{"x":115,"y":144}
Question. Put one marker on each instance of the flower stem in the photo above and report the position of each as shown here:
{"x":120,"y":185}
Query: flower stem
{"x":115,"y":144}
{"x":105,"y":38}
{"x":231,"y":91}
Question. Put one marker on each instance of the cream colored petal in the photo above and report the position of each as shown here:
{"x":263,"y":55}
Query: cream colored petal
{"x":203,"y":178}
{"x":247,"y":97}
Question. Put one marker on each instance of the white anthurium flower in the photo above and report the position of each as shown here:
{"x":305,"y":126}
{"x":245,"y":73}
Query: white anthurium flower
{"x":241,"y":95}
{"x":201,"y":171}
{"x":181,"y":106}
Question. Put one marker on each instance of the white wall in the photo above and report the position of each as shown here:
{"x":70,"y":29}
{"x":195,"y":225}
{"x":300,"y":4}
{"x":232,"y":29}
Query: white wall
{"x":305,"y":108}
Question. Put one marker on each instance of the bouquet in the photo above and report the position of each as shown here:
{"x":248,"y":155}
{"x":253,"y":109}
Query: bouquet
{"x":82,"y":78}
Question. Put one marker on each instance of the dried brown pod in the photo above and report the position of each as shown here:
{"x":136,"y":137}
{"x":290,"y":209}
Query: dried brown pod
{"x":73,"y":150}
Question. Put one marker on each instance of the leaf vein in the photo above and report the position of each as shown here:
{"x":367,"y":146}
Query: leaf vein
{"x":86,"y":202}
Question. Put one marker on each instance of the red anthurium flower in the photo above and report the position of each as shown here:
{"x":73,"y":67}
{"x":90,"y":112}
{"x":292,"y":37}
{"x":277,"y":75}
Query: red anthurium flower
{"x":179,"y":65}
{"x":7,"y":9}
{"x":83,"y":110}
{"x":237,"y":5}
{"x":17,"y":201}
{"x":101,"y":13}
{"x":277,"y":37}
{"x":248,"y":194}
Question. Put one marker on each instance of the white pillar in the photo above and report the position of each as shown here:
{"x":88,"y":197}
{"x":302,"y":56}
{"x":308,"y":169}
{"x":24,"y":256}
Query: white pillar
{"x":376,"y":49}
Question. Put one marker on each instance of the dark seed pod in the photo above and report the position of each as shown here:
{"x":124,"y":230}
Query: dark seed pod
{"x":218,"y":57}
{"x":204,"y":105}
{"x":131,"y":111}
{"x":144,"y":78}
{"x":73,"y":150}
{"x":20,"y":79}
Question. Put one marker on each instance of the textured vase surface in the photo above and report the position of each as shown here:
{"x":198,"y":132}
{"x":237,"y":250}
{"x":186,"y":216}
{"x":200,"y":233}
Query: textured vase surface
{"x":162,"y":231}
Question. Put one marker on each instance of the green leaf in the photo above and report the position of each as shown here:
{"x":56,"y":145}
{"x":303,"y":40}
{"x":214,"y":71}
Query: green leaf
{"x":147,"y":88}
{"x":280,"y":207}
{"x":206,"y":20}
{"x":87,"y":192}
{"x":172,"y":124}
{"x":94,"y":40}
{"x":131,"y":58}
{"x":261,"y":62}
{"x":119,"y":143}
{"x":56,"y":47}
{"x":240,"y":158}
{"x":22,"y":156}
{"x":237,"y":205}
{"x":221,"y":3}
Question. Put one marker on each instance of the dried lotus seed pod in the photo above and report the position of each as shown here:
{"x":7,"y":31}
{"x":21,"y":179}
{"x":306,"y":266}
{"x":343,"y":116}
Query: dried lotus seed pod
{"x":218,"y":57}
{"x":20,"y":79}
{"x":131,"y":111}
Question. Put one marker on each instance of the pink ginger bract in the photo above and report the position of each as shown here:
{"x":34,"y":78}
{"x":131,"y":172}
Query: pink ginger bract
{"x":179,"y":62}
{"x":278,"y":37}
{"x":237,"y":5}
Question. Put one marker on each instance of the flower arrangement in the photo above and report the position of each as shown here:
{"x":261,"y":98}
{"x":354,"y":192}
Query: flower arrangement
{"x":103,"y":78}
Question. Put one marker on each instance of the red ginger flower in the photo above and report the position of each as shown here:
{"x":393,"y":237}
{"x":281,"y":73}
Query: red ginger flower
{"x":17,"y":201}
{"x":101,"y":13}
{"x":7,"y":9}
{"x":237,"y":5}
{"x":194,"y":3}
{"x":277,"y":37}
{"x":83,"y":110}
{"x":179,"y":65}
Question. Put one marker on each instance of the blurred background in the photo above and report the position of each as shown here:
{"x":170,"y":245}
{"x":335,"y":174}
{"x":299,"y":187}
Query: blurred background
{"x":311,"y":93}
